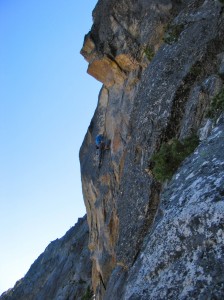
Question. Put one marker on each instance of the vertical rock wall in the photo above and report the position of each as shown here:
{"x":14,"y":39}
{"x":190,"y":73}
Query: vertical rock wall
{"x":183,"y":257}
{"x":159,"y":62}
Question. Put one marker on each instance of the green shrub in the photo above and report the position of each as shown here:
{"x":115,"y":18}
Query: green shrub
{"x":195,"y":70}
{"x":149,"y":53}
{"x":172,"y":33}
{"x":217,"y":105}
{"x":169,"y":157}
{"x":88,"y":294}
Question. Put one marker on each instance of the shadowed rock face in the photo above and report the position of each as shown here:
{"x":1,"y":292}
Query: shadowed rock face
{"x":62,"y":271}
{"x":160,"y":63}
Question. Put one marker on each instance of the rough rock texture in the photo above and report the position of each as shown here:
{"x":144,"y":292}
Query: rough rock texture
{"x":61,"y":272}
{"x":183,"y":256}
{"x":161,"y":64}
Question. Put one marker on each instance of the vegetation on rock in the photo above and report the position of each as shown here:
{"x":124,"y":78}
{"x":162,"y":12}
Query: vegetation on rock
{"x":169,"y":157}
{"x":149,"y":53}
{"x":196,"y":70}
{"x":88,"y":294}
{"x":172,"y":33}
{"x":217,"y":105}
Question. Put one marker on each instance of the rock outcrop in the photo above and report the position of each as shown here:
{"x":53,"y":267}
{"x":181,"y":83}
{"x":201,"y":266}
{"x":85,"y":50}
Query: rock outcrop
{"x":62,"y":271}
{"x":183,"y":253}
{"x":161,"y":64}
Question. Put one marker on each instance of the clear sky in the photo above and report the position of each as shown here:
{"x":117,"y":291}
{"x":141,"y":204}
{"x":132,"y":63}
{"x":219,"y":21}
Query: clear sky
{"x":46,"y":104}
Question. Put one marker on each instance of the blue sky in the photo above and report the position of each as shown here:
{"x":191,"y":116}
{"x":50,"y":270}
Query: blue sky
{"x":46,"y":104}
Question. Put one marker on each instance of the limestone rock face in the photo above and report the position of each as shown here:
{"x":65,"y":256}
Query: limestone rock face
{"x":62,"y":271}
{"x":160,"y":63}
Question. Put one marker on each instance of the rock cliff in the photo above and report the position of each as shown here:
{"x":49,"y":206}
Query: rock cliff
{"x":62,"y":271}
{"x":155,"y":204}
{"x":161,"y":65}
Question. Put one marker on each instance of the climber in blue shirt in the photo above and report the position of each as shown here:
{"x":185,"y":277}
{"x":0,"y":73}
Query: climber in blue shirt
{"x":99,"y":141}
{"x":101,"y":145}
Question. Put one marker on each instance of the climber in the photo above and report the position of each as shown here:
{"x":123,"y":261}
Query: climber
{"x":101,"y":145}
{"x":99,"y":141}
